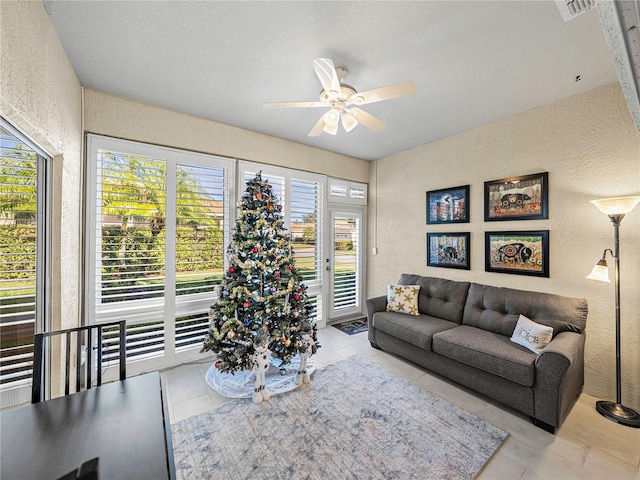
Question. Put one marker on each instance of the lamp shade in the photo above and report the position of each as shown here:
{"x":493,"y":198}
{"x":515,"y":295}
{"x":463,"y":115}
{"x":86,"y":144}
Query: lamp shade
{"x":600,"y":272}
{"x":331,"y":119}
{"x":349,"y":122}
{"x":331,"y":128}
{"x":616,"y":205}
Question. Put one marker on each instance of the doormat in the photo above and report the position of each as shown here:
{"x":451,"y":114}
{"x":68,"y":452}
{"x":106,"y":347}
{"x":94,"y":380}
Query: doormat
{"x":352,"y":327}
{"x":354,"y":420}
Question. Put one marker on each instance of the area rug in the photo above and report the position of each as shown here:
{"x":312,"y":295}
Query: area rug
{"x":351,"y":327}
{"x":354,"y":420}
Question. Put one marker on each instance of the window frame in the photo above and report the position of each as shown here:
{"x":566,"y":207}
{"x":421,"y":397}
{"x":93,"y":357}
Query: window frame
{"x":18,"y":392}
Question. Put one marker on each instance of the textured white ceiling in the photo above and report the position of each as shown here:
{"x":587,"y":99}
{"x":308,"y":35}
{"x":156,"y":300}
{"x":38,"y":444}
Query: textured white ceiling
{"x":473,"y":61}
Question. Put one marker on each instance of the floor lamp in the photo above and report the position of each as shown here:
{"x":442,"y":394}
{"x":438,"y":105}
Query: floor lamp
{"x":615,"y":208}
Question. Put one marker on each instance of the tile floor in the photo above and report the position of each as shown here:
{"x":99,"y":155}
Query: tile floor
{"x":587,"y":446}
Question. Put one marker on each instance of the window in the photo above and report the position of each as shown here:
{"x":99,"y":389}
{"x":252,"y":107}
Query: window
{"x":345,"y":192}
{"x":158,"y":226}
{"x":23,"y":214}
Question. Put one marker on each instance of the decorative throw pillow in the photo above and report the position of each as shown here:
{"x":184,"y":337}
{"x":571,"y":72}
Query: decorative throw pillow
{"x":403,"y":299}
{"x":531,"y":335}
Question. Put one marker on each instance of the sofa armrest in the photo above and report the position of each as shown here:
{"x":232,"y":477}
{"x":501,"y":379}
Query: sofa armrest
{"x":559,"y":377}
{"x":375,"y":304}
{"x":566,"y":344}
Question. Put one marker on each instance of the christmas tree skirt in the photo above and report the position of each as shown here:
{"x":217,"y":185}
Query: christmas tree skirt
{"x":241,"y":384}
{"x":354,"y":420}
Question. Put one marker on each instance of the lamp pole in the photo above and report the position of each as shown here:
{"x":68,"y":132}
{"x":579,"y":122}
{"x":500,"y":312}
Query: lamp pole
{"x":616,"y":411}
{"x":616,"y":219}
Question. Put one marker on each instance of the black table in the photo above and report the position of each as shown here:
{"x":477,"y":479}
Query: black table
{"x":125,"y":424}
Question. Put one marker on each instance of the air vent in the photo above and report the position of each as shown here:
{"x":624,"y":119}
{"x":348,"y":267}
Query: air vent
{"x":570,"y":9}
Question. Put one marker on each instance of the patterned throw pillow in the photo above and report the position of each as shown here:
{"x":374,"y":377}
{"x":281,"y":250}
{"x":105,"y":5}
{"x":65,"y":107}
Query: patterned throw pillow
{"x":403,"y":299}
{"x":531,"y":335}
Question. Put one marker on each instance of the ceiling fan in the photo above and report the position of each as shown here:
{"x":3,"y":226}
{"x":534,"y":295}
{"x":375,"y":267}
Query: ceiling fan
{"x":343,"y":100}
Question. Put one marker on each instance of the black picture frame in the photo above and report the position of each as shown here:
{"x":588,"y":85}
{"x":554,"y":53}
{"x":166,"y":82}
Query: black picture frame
{"x":449,"y":250}
{"x":518,"y":252}
{"x":448,"y":205}
{"x":517,"y":198}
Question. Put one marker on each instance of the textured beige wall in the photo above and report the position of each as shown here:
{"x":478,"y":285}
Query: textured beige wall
{"x":590,"y":148}
{"x":118,"y":117}
{"x":41,"y":95}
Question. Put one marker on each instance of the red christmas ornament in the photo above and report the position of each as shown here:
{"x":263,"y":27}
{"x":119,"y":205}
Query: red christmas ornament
{"x":296,"y":297}
{"x":279,"y":207}
{"x":259,"y":196}
{"x":217,"y":364}
{"x":277,"y":275}
{"x":231,"y":269}
{"x":290,"y":267}
{"x":246,"y":304}
{"x":254,"y":249}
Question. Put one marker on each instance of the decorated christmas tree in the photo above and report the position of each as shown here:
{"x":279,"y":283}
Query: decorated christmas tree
{"x":262,"y":291}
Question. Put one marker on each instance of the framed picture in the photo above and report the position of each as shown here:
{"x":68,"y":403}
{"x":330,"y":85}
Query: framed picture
{"x":450,"y":250}
{"x":522,"y":253}
{"x":449,"y":205}
{"x":517,"y":198}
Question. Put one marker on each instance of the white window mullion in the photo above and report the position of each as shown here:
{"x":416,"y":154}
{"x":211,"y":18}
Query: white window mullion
{"x":231,"y":194}
{"x":170,"y":264}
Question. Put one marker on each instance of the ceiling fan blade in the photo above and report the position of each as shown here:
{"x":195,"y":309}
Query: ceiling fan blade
{"x":317,"y":128}
{"x":367,"y":119}
{"x":326,"y":72}
{"x":384,"y":93}
{"x":293,"y":104}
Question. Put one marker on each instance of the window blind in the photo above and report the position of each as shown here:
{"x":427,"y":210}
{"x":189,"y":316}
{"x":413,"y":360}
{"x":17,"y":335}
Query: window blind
{"x":306,"y":231}
{"x":200,"y":247}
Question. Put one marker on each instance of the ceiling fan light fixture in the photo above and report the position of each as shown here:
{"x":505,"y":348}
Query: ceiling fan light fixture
{"x":330,"y":128}
{"x":348,"y":122}
{"x":332,"y":117}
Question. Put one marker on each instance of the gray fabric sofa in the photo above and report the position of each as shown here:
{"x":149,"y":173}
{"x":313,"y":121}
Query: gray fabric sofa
{"x":463,"y":333}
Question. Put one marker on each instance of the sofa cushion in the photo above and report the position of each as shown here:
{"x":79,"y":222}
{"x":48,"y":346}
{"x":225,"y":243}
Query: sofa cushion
{"x":531,"y":335}
{"x":487,"y":351}
{"x":403,"y":299}
{"x":438,"y":297}
{"x":416,"y":330}
{"x":497,"y":310}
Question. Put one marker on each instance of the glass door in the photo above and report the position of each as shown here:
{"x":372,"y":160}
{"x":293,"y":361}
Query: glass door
{"x":345,"y":264}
